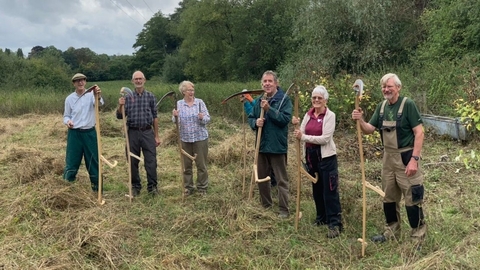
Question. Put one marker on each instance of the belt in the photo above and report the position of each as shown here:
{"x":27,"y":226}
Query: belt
{"x":83,"y":130}
{"x":140,"y":128}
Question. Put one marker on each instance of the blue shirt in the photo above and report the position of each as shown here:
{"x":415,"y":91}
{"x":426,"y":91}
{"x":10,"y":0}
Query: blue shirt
{"x":81,"y":110}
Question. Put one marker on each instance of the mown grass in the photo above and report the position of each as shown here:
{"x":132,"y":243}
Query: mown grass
{"x":46,"y":223}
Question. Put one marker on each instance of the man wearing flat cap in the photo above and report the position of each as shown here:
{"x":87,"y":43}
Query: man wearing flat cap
{"x":79,"y":117}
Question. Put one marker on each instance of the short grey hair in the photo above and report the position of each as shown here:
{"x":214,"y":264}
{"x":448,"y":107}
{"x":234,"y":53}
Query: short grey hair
{"x":183,"y":86}
{"x":138,"y":72}
{"x":273,"y":73}
{"x":320,"y":89}
{"x":389,"y":76}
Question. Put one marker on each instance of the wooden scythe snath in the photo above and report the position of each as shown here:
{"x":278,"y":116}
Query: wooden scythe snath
{"x":101,"y":158}
{"x":309,"y":177}
{"x":255,"y":178}
{"x":192,"y":158}
{"x":127,"y":93}
{"x":300,"y":169}
{"x":244,"y":176}
{"x":179,"y":142}
{"x":257,"y":145}
{"x":243,"y":92}
{"x":180,"y":149}
{"x":358,"y":88}
{"x":299,"y":164}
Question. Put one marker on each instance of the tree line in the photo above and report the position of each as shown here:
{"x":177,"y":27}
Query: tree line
{"x":435,"y":42}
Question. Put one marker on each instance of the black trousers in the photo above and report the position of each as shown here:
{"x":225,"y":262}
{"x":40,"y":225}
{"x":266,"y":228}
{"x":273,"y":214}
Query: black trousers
{"x":325,"y":191}
{"x":143,"y":141}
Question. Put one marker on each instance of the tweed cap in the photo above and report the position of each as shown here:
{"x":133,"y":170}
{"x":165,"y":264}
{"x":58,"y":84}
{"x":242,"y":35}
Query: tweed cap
{"x":78,"y":76}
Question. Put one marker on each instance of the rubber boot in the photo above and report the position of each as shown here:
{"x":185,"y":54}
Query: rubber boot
{"x":393,"y":226}
{"x":419,"y":228}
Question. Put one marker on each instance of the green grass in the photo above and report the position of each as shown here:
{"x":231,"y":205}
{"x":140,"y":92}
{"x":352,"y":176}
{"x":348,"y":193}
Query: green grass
{"x":46,"y":101}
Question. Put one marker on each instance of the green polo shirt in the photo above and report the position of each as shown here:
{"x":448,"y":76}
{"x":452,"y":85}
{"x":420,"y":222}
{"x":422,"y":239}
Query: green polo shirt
{"x":410,"y":118}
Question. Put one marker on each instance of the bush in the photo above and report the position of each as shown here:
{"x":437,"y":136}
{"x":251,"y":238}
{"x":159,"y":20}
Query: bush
{"x":173,"y":68}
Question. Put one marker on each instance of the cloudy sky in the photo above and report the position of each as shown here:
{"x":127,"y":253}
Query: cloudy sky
{"x":104,"y":26}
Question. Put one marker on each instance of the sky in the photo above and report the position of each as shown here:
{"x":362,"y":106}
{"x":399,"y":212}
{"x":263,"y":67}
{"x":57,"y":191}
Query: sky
{"x":105,"y":26}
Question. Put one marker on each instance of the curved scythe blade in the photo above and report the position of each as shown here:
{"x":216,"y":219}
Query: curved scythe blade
{"x":126,"y":92}
{"x":254,"y":92}
{"x":171,"y":93}
{"x":286,"y":94}
{"x":90,"y":89}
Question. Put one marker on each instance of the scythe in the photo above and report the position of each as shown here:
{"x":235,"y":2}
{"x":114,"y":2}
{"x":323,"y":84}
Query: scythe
{"x":127,"y":93}
{"x":99,"y":147}
{"x":244,"y":91}
{"x":358,"y":89}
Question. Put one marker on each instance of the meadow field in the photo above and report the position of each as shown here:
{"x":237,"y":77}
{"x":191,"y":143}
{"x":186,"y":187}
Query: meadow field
{"x":47,"y":223}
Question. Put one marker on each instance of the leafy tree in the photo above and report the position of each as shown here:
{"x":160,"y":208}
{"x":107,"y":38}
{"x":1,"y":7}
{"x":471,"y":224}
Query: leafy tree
{"x":447,"y":62}
{"x":45,"y":69}
{"x":20,"y":53}
{"x":70,"y":58}
{"x":453,"y":30}
{"x":235,"y":40}
{"x":35,"y":51}
{"x":120,"y":67}
{"x":153,"y":43}
{"x":356,"y":36}
{"x":204,"y":41}
{"x":50,"y":50}
{"x":173,"y":68}
{"x":49,"y":71}
{"x":84,"y":58}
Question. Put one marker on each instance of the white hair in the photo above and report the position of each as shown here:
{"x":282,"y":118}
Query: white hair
{"x":320,"y":89}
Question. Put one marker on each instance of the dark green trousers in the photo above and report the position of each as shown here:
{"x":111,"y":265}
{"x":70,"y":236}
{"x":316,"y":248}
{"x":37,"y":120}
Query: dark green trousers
{"x":82,"y":144}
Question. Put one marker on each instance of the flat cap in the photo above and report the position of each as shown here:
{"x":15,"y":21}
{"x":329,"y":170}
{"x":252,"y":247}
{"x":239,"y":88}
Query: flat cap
{"x":78,"y":76}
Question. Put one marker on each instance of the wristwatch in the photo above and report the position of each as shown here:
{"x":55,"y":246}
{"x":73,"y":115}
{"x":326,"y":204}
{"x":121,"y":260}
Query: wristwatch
{"x":416,"y":158}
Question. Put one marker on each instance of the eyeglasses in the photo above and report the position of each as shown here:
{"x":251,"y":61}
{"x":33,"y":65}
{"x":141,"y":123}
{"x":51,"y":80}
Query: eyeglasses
{"x":317,"y":98}
{"x":190,"y":90}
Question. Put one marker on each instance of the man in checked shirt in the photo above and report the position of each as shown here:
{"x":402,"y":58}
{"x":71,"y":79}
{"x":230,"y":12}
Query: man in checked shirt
{"x":143,"y":136}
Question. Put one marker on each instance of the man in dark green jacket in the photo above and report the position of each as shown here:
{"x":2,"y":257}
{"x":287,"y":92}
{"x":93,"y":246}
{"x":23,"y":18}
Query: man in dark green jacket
{"x":277,"y":108}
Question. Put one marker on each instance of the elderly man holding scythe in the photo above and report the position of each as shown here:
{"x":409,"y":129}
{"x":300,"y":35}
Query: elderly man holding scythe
{"x":79,"y":117}
{"x":142,"y":122}
{"x":270,"y":118}
{"x":400,"y":125}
